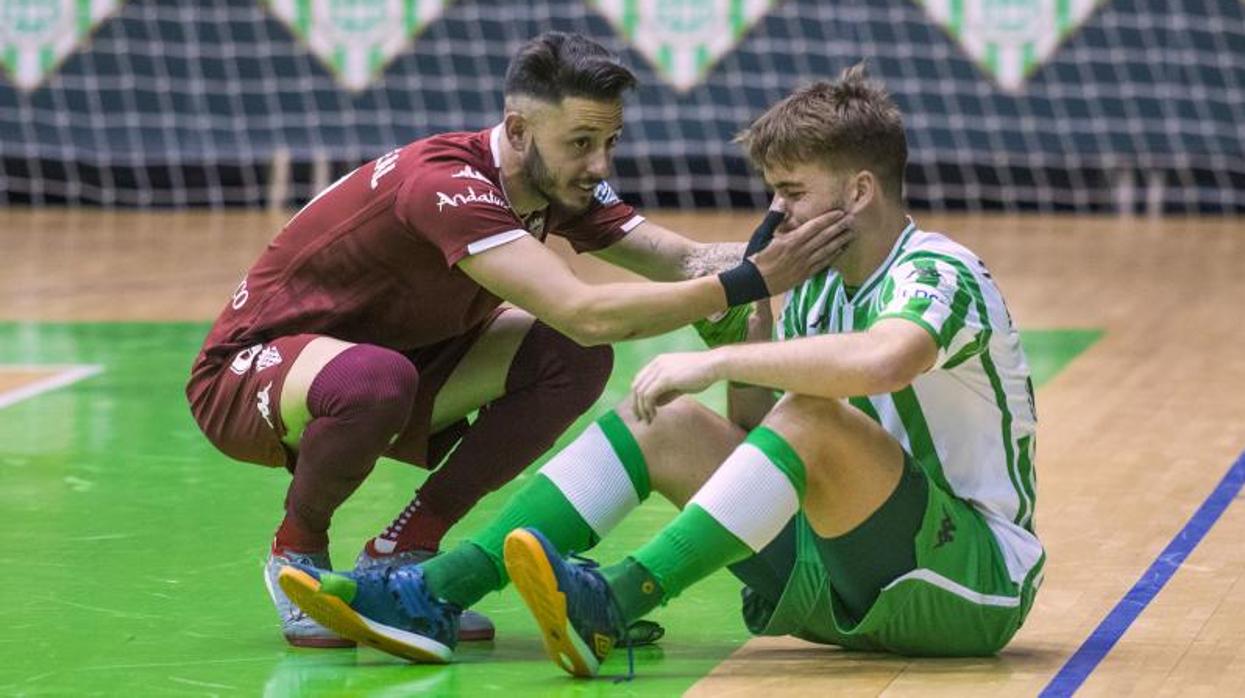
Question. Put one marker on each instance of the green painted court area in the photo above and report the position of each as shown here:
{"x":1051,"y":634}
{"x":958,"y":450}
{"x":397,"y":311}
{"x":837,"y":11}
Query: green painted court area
{"x":131,"y":550}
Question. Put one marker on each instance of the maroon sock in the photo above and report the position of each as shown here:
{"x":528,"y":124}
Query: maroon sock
{"x":551,"y":381}
{"x":358,"y":402}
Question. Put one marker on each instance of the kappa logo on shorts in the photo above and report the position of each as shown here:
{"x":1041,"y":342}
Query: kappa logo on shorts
{"x":264,"y":404}
{"x":267,"y":358}
{"x":946,"y":529}
{"x":243,"y":360}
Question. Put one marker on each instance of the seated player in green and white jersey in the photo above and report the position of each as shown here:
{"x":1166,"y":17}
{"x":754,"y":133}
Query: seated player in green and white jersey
{"x":884,"y":501}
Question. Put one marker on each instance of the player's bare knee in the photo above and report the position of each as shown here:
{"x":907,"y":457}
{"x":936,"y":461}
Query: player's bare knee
{"x":669,"y":431}
{"x":804,"y":416}
{"x":811,"y":425}
{"x":683,"y":415}
{"x":682,"y":446}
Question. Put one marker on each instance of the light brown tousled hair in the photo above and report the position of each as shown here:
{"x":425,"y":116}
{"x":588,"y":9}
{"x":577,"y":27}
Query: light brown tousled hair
{"x":848,"y":124}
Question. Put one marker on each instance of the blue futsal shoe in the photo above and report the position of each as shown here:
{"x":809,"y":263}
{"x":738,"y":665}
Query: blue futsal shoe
{"x":472,"y":626}
{"x":389,"y":609}
{"x":578,"y":617}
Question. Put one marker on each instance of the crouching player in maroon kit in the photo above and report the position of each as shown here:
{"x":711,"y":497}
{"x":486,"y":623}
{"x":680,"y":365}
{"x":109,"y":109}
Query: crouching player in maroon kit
{"x":372,"y":325}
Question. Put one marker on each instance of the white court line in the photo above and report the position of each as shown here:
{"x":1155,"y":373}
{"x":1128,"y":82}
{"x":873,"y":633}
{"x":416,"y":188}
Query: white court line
{"x":65,"y":375}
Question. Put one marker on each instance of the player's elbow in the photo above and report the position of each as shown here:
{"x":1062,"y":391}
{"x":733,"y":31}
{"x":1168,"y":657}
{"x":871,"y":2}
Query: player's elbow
{"x":594,"y":332}
{"x":898,"y":353}
{"x":887,"y":374}
{"x":588,"y":336}
{"x":585,"y":328}
{"x":886,"y":379}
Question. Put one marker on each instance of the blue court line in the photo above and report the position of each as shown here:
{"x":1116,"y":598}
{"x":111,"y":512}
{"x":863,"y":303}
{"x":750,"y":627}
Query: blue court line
{"x":1099,"y":643}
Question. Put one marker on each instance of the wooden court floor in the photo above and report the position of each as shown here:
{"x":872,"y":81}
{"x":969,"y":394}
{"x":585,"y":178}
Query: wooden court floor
{"x":1134,"y":434}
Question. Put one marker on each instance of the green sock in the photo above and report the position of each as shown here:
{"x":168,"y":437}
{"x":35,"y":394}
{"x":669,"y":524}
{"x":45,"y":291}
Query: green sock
{"x":577,"y":497}
{"x":742,"y":507}
{"x":635,"y":588}
{"x":462,"y":576}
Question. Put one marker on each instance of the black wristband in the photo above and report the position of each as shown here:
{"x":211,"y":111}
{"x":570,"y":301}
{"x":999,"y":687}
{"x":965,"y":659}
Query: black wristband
{"x":743,"y":284}
{"x":764,"y":232}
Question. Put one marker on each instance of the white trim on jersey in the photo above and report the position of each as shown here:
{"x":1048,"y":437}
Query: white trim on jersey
{"x":492,"y":241}
{"x":928,"y":575}
{"x":494,"y":145}
{"x":631,"y":224}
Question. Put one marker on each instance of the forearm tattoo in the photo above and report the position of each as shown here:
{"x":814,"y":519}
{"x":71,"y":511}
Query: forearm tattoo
{"x":712,"y":259}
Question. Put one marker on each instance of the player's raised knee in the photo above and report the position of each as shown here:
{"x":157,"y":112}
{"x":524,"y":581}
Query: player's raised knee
{"x":367,"y":378}
{"x":681,"y":416}
{"x":807,"y":411}
{"x":583,"y":371}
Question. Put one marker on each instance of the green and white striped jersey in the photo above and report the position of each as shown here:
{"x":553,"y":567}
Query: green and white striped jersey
{"x":970,"y":420}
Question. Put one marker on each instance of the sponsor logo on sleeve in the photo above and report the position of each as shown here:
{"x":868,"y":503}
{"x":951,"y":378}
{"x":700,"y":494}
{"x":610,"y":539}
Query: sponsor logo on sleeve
{"x":946,"y":529}
{"x":469,"y":197}
{"x":605,"y":194}
{"x":242,"y":360}
{"x":470,"y":172}
{"x":911,"y":293}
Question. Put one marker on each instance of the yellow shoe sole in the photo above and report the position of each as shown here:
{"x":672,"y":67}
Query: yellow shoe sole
{"x":336,"y":615}
{"x":533,"y":577}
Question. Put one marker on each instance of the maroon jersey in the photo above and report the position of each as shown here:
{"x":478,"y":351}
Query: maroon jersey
{"x":372,"y":258}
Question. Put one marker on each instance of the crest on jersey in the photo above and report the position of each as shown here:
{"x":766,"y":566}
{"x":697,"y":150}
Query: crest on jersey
{"x":36,"y":35}
{"x":1010,"y":39}
{"x":605,"y":194}
{"x":535,"y":224}
{"x":683,"y":38}
{"x":356,"y":39}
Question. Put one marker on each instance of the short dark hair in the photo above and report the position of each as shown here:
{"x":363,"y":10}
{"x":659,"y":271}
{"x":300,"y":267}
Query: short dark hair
{"x":556,"y":65}
{"x":849,"y":123}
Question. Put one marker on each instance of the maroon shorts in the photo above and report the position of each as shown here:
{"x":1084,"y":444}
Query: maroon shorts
{"x":237,"y":403}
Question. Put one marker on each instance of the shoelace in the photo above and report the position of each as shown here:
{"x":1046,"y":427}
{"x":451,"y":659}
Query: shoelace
{"x":395,"y":527}
{"x":620,"y":628}
{"x":412,"y":605}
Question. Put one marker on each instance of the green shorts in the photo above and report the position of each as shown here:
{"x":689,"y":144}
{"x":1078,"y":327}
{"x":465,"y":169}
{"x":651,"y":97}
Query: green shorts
{"x":958,"y":599}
